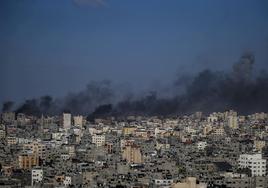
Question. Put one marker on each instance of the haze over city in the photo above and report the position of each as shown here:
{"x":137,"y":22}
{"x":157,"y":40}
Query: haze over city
{"x":59,"y":47}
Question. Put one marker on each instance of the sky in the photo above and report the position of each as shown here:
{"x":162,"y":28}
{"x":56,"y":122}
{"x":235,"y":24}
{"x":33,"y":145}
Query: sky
{"x":58,"y":46}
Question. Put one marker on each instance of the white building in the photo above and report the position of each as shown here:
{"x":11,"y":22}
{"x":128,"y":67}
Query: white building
{"x":67,"y":120}
{"x":98,"y":139}
{"x":163,"y":182}
{"x":67,"y":181}
{"x":65,"y":157}
{"x":201,"y":145}
{"x":70,"y":149}
{"x":219,"y":131}
{"x":37,"y":176}
{"x":254,"y":162}
{"x":212,"y":118}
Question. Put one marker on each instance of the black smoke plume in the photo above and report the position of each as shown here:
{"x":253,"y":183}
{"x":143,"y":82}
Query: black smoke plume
{"x":83,"y":102}
{"x":95,"y":94}
{"x":7,"y":106}
{"x":208,"y":91}
{"x":101,"y":111}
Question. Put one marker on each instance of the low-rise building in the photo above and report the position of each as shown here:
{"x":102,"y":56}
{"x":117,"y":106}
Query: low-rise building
{"x":37,"y":176}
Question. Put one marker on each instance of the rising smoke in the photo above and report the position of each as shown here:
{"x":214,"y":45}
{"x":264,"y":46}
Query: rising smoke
{"x":7,"y":106}
{"x":208,"y":91}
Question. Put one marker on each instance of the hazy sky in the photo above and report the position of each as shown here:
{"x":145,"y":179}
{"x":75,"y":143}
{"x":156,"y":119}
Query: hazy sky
{"x":58,"y":46}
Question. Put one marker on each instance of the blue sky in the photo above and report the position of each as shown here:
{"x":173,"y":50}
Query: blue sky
{"x":55,"y":47}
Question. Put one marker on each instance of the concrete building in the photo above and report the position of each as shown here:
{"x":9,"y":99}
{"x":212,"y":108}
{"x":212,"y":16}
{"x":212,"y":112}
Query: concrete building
{"x":163,"y":182}
{"x":78,"y":121}
{"x":2,"y":134}
{"x":254,"y":162}
{"x":67,"y":181}
{"x":28,"y":160}
{"x":98,"y":139}
{"x":128,"y":130}
{"x":189,"y":182}
{"x":162,"y":145}
{"x":219,"y":131}
{"x":232,"y":121}
{"x":37,"y":148}
{"x":37,"y":176}
{"x":11,"y":140}
{"x":259,"y":144}
{"x":201,"y":145}
{"x":207,"y":129}
{"x":132,"y":154}
{"x":67,"y":120}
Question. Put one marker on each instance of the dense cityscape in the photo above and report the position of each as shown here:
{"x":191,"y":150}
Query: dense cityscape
{"x":223,"y":149}
{"x":133,"y":93}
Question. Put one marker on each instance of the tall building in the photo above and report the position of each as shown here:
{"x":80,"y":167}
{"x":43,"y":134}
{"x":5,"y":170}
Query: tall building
{"x":67,"y":120}
{"x":232,"y":121}
{"x":78,"y":121}
{"x":254,"y":162}
{"x":132,"y":154}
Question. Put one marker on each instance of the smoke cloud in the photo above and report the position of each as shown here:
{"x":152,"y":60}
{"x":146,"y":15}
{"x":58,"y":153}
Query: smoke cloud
{"x":208,"y":91}
{"x":7,"y":106}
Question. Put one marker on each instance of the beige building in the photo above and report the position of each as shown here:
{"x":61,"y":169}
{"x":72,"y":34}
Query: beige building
{"x":128,"y":130}
{"x":98,"y":139}
{"x":259,"y":144}
{"x":67,"y":120}
{"x":189,"y":182}
{"x":11,"y":140}
{"x":141,"y":134}
{"x":232,"y":121}
{"x":161,"y":145}
{"x":207,"y":129}
{"x":37,"y":148}
{"x":132,"y":154}
{"x":27,"y":161}
{"x":78,"y":121}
